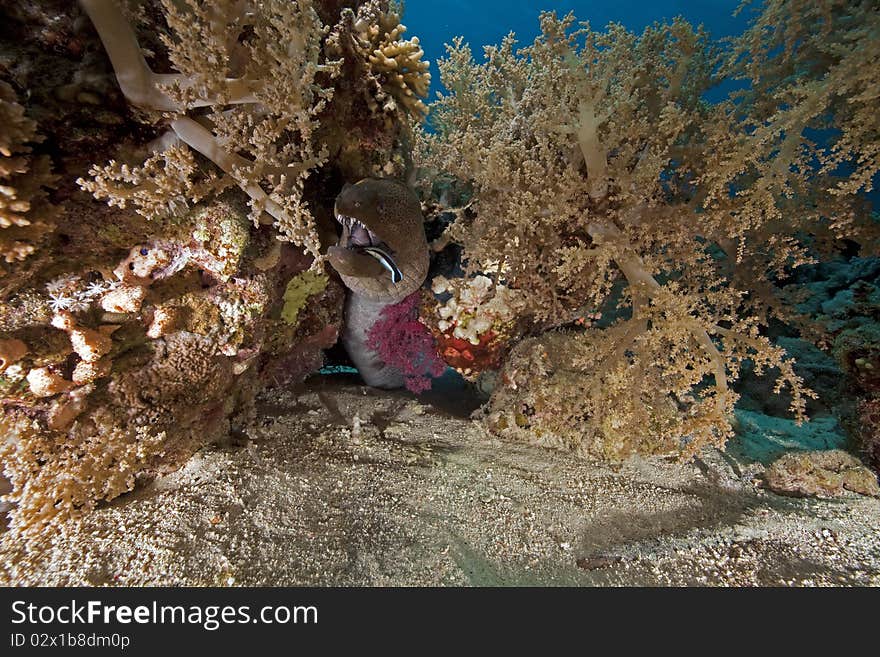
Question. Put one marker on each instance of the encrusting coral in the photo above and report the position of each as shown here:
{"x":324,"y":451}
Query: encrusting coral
{"x":619,"y":204}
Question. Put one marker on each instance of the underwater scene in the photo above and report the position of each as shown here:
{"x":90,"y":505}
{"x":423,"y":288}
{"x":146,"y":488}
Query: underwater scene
{"x":439,"y":293}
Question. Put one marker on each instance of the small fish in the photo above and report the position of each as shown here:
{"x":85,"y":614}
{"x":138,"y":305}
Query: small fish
{"x":386,"y":261}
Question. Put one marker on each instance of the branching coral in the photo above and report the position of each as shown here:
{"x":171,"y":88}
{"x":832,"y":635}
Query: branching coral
{"x":25,"y":215}
{"x":398,"y":76}
{"x":257,"y":70}
{"x":594,"y":159}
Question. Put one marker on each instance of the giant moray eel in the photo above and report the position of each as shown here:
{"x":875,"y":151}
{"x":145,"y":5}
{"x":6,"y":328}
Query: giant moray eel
{"x":382,"y":257}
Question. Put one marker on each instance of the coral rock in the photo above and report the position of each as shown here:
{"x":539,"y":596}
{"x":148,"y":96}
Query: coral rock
{"x":87,"y":371}
{"x":11,"y":351}
{"x":46,"y":383}
{"x":821,"y":474}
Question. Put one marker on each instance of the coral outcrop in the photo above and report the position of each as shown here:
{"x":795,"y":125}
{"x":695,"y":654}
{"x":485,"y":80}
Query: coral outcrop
{"x":820,"y":474}
{"x":196,"y":145}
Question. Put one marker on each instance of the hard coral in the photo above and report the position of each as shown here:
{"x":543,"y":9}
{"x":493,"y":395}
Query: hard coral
{"x":398,"y":77}
{"x":25,"y":214}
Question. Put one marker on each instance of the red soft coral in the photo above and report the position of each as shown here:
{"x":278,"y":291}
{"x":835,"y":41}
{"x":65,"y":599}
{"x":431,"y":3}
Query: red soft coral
{"x":405,"y":343}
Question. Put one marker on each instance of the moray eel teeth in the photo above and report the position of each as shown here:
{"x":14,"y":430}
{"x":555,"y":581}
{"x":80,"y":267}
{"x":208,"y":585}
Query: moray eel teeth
{"x":356,"y":236}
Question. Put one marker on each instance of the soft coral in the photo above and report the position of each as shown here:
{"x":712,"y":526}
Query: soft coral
{"x":404,"y":342}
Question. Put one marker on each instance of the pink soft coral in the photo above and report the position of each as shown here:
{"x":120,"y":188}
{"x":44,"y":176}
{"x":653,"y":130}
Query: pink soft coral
{"x":405,"y":343}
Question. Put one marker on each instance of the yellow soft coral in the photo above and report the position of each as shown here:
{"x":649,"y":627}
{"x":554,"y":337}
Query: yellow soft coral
{"x":261,"y":132}
{"x":592,"y":159}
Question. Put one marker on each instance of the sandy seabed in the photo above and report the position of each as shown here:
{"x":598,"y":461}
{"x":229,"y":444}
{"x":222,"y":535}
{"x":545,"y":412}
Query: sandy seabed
{"x":339,"y":484}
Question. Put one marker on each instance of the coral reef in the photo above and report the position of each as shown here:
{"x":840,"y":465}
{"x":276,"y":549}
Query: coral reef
{"x":643,"y":228}
{"x":620,"y":251}
{"x":142,"y":327}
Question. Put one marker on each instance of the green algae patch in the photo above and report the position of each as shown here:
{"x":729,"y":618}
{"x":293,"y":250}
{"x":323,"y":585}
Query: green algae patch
{"x":298,"y":290}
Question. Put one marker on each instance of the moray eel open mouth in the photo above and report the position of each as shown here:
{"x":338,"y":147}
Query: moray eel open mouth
{"x":382,"y":254}
{"x":359,"y":238}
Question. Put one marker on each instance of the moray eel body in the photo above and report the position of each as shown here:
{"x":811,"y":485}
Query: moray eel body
{"x":382,"y":257}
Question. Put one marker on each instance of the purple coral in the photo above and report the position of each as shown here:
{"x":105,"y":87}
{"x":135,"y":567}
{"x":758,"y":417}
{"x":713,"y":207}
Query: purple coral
{"x":403,"y":342}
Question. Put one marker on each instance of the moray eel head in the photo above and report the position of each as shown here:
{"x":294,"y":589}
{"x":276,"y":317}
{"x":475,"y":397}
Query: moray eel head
{"x":382,"y":249}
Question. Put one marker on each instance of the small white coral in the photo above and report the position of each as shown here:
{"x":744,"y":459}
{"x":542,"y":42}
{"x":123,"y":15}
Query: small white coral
{"x":61,"y":284}
{"x":59,"y":302}
{"x":95,"y":289}
{"x":124,"y":299}
{"x":475,"y":306}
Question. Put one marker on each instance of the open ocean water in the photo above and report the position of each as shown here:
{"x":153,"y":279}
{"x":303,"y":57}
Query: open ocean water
{"x":485,"y":22}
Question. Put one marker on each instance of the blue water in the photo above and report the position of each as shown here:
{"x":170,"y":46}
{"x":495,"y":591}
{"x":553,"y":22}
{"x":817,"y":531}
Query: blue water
{"x":486,"y":22}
